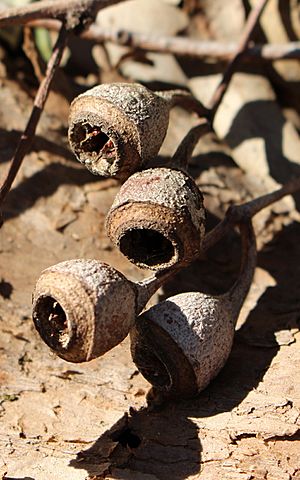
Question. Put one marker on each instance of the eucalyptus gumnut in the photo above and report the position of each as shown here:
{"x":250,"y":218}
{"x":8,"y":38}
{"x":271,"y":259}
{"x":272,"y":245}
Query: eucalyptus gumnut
{"x":157,"y":219}
{"x":181,"y":344}
{"x":83,"y":308}
{"x":115,"y":128}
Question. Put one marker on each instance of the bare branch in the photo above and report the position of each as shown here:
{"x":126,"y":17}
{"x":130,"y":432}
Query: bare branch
{"x":39,"y":102}
{"x":240,"y":213}
{"x":186,"y":100}
{"x":186,"y":147}
{"x":288,"y":51}
{"x":232,"y":66}
{"x":186,"y":47}
{"x":73,"y":12}
{"x":181,"y":46}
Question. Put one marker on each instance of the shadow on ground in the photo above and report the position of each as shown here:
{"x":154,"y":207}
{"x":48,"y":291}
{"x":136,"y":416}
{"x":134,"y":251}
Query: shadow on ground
{"x":167,"y":443}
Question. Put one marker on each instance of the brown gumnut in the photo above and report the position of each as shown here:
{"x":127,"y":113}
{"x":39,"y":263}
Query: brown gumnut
{"x":115,"y":128}
{"x":83,"y":308}
{"x":181,"y":344}
{"x":157,"y":219}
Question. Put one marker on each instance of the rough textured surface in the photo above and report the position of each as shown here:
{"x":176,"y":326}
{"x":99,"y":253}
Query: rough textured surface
{"x":160,"y":200}
{"x":98,"y":303}
{"x":132,"y":117}
{"x":164,"y":186}
{"x":64,"y":421}
{"x":202,"y":326}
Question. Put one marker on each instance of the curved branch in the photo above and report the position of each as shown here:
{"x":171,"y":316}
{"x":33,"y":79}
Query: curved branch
{"x":232,"y":66}
{"x":238,"y":213}
{"x":39,"y":102}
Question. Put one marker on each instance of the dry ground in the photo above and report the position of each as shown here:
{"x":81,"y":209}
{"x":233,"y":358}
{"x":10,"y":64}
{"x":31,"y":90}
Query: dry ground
{"x":88,"y":421}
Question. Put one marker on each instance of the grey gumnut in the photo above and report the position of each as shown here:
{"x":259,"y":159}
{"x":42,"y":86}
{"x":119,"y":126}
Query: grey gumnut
{"x":182,"y":343}
{"x":83,"y":308}
{"x":115,"y":128}
{"x":157,"y":219}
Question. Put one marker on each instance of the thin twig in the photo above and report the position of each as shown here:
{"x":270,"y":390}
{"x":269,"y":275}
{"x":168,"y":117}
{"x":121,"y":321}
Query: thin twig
{"x":288,"y":51}
{"x":188,"y":47}
{"x":184,"y":99}
{"x":181,"y":46}
{"x":72,"y":12}
{"x":237,"y":213}
{"x":184,"y":150}
{"x":232,"y":66}
{"x":39,"y":102}
{"x":31,"y":52}
{"x":186,"y":147}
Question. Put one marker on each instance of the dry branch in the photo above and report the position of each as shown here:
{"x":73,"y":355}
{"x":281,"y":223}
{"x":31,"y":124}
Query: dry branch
{"x":39,"y":102}
{"x":185,"y":149}
{"x":184,"y":46}
{"x":72,"y":12}
{"x":250,"y":26}
{"x":186,"y":146}
{"x":181,"y":46}
{"x":238,"y":213}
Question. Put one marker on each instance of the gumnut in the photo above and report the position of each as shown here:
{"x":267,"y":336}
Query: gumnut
{"x":157,"y":219}
{"x":181,"y":344}
{"x":115,"y":128}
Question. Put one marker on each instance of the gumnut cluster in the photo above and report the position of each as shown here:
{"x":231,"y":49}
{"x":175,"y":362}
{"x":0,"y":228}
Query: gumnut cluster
{"x":83,"y":308}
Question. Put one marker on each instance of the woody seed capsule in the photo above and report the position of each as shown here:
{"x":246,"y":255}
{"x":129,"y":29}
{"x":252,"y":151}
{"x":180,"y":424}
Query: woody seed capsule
{"x":181,"y":344}
{"x":158,"y":219}
{"x":83,"y":308}
{"x":115,"y":128}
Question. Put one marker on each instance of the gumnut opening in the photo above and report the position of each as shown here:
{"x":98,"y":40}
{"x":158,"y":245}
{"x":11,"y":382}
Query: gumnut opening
{"x":186,"y":337}
{"x":160,"y":360}
{"x":83,"y":308}
{"x":115,"y":128}
{"x":158,"y":219}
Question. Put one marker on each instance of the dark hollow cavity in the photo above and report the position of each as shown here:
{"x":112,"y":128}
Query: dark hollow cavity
{"x":149,"y":365}
{"x":91,"y":139}
{"x":146,"y":246}
{"x":51,"y":322}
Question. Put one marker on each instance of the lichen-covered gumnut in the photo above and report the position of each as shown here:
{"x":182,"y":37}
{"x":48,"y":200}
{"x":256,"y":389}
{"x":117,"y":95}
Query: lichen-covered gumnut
{"x":83,"y":308}
{"x":181,"y":344}
{"x":115,"y":128}
{"x":157,"y":219}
